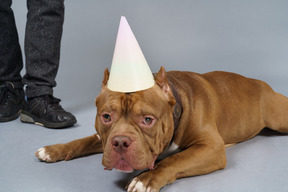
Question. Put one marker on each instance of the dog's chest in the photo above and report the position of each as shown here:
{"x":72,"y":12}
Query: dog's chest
{"x":170,"y":150}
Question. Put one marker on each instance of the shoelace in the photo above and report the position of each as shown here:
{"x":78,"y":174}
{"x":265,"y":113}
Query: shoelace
{"x":6,"y":89}
{"x":46,"y":103}
{"x":52,"y":102}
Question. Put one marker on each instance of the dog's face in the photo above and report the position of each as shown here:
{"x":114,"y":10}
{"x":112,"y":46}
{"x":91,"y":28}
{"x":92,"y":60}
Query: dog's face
{"x":134,"y":127}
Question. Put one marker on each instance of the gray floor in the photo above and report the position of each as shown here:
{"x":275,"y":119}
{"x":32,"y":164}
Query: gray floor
{"x":246,"y":37}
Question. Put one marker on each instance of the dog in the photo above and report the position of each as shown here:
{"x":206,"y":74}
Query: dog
{"x":186,"y":119}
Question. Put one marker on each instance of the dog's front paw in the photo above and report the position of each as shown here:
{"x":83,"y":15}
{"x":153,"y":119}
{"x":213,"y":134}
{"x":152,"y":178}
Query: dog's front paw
{"x":42,"y":155}
{"x":52,"y":153}
{"x":137,"y":185}
{"x":150,"y":181}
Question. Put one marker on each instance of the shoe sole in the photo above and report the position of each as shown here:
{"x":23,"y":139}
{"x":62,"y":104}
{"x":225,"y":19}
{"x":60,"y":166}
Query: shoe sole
{"x":11,"y":118}
{"x":29,"y":118}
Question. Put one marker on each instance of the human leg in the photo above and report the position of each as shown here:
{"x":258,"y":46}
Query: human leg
{"x":42,"y":49}
{"x":11,"y":87}
{"x":42,"y":45}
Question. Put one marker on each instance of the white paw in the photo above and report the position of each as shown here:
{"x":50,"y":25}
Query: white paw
{"x":42,"y":155}
{"x":137,"y":186}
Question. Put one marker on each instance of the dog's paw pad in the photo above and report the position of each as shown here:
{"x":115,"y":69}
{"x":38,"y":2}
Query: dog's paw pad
{"x":43,"y":155}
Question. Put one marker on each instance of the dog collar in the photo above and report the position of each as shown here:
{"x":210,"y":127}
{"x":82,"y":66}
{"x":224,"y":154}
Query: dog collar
{"x":177,"y":109}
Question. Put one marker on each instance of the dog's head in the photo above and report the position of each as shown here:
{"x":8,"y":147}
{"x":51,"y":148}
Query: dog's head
{"x":134,"y":127}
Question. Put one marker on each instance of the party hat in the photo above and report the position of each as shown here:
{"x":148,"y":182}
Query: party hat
{"x":129,"y":71}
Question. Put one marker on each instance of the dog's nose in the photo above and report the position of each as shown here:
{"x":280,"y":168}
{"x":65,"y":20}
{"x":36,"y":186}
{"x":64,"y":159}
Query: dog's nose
{"x":121,"y":143}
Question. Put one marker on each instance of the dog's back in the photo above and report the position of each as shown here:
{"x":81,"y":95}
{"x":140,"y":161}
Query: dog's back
{"x":241,"y":107}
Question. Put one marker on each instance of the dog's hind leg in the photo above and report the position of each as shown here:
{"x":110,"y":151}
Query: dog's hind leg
{"x":275,"y":111}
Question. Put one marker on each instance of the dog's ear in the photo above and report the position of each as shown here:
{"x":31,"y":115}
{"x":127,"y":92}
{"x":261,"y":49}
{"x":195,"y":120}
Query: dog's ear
{"x":105,"y":78}
{"x":104,"y":83}
{"x":162,"y":82}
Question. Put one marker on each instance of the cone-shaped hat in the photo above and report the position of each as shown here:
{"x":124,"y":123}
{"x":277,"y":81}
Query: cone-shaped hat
{"x":129,"y":70}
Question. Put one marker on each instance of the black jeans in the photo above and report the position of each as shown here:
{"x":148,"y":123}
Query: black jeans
{"x":42,"y":46}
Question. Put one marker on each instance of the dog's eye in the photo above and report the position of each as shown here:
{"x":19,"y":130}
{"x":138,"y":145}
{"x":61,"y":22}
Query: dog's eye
{"x":106,"y":118}
{"x":147,"y":120}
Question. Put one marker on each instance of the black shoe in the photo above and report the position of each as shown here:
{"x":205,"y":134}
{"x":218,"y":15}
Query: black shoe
{"x":11,"y":101}
{"x":46,"y":111}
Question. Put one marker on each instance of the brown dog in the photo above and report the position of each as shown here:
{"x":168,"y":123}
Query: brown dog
{"x":191,"y":115}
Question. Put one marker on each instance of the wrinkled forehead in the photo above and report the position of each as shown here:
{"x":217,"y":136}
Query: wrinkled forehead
{"x":109,"y":100}
{"x":140,"y":102}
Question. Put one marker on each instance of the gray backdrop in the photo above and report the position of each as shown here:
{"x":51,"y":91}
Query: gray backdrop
{"x":246,"y":37}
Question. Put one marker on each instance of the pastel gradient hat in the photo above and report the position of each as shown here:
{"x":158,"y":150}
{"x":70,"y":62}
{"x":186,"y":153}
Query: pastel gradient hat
{"x":129,"y":71}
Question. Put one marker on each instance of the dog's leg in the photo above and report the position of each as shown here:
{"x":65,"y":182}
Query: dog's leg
{"x":67,"y":151}
{"x":276,"y":112}
{"x":202,"y":158}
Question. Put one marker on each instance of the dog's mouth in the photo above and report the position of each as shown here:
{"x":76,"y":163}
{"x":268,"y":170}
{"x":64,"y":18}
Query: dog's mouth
{"x":121,"y":165}
{"x":124,"y":166}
